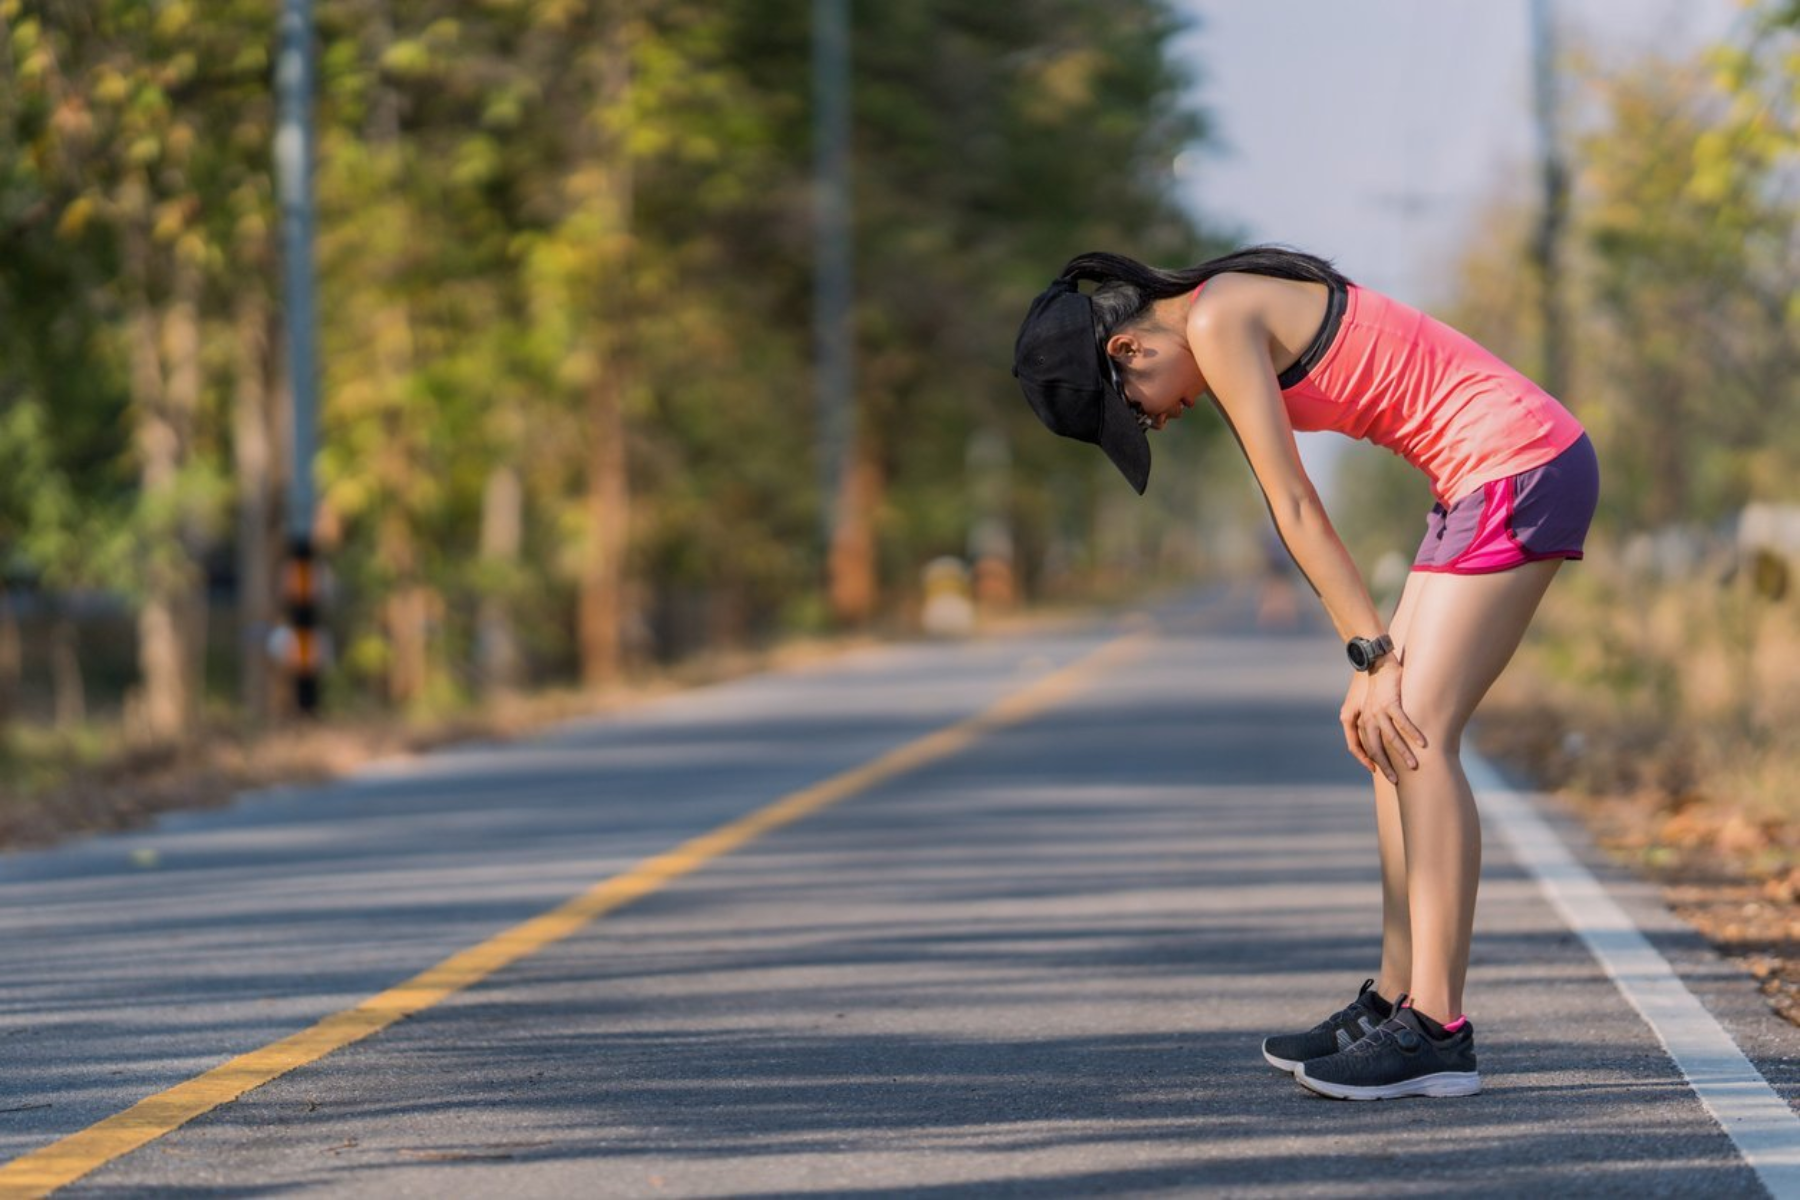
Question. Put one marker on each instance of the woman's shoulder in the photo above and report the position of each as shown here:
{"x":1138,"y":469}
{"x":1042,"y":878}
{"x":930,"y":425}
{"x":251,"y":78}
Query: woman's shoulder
{"x":1244,"y":287}
{"x":1228,"y":292}
{"x":1235,"y":297}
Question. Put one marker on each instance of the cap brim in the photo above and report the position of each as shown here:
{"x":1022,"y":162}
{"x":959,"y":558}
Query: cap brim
{"x":1123,"y":440}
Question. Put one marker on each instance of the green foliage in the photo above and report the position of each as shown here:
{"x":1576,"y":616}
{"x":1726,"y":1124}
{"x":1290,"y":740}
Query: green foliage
{"x":516,"y":201}
{"x":1685,"y":244}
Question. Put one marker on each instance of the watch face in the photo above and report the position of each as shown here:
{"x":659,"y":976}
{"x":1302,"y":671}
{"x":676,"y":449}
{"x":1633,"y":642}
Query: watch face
{"x":1359,"y":654}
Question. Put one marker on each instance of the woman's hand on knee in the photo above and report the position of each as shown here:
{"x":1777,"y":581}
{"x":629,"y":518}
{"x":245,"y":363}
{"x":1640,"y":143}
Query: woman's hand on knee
{"x":1376,"y":728}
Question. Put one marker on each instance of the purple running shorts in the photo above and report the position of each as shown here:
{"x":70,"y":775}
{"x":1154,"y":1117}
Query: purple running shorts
{"x":1536,"y":514}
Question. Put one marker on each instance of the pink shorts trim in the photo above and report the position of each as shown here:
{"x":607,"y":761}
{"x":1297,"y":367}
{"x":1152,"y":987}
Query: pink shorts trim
{"x":1535,"y":515}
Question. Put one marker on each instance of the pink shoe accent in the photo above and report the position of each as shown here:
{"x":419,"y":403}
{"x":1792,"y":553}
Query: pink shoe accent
{"x":1457,"y":1024}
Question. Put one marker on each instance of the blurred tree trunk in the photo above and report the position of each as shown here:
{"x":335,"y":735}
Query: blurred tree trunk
{"x":603,"y":586}
{"x":728,"y":613}
{"x":67,"y":688}
{"x":855,"y":586}
{"x":603,"y":571}
{"x":186,"y":375}
{"x":11,"y":659}
{"x":1667,"y":444}
{"x":409,"y":603}
{"x":165,"y":390}
{"x":497,"y":654}
{"x":252,"y":451}
{"x":407,"y":609}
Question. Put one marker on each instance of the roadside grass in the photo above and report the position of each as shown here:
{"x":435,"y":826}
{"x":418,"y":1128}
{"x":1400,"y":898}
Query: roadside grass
{"x":56,"y":784}
{"x":1667,"y":713}
{"x":35,"y":758}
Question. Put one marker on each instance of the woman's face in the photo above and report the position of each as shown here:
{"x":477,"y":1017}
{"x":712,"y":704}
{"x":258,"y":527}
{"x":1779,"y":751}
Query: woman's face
{"x":1157,"y":371}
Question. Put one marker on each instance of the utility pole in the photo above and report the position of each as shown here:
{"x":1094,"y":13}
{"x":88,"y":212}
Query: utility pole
{"x":293,"y":169}
{"x":833,"y":324}
{"x":1555,"y":180}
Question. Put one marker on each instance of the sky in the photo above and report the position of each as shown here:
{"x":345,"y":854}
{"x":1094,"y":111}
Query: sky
{"x":1372,"y":131}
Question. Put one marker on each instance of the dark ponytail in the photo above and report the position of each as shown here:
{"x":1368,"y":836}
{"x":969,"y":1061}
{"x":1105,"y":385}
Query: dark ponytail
{"x":1127,"y":287}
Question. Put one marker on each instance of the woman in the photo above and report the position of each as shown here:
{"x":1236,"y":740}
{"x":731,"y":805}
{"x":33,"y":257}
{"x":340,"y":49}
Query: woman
{"x":1281,"y":341}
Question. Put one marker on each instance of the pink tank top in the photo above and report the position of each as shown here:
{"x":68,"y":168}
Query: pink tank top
{"x":1396,"y":377}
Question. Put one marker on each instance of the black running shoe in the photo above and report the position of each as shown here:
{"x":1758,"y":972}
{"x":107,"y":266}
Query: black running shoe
{"x":1339,"y":1031}
{"x":1398,"y":1059}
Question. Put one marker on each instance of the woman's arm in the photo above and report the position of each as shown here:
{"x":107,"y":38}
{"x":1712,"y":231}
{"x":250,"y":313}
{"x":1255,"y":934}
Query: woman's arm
{"x":1230,"y":342}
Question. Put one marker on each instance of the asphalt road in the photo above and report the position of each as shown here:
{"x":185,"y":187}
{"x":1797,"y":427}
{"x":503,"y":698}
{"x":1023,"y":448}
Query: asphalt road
{"x":1039,"y":965}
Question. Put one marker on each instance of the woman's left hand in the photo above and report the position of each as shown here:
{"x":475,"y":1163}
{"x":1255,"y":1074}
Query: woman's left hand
{"x":1376,"y":727}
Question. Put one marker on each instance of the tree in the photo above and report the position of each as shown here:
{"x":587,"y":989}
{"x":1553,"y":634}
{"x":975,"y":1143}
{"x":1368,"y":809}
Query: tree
{"x":565,"y":301}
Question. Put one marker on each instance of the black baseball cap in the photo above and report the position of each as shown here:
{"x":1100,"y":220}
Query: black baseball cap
{"x":1062,"y":367}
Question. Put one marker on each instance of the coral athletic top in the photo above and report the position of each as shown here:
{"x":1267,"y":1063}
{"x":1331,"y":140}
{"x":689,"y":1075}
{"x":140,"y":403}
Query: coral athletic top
{"x":1391,"y":375}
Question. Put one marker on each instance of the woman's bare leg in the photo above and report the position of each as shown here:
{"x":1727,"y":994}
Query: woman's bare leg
{"x":1461,"y":633}
{"x":1395,"y":978}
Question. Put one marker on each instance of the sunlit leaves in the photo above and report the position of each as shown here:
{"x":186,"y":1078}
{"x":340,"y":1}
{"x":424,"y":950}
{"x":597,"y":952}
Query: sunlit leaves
{"x":1693,"y":220}
{"x":505,"y":216}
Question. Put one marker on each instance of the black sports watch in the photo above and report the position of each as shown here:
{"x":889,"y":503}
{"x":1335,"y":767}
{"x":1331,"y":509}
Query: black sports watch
{"x":1365,"y":653}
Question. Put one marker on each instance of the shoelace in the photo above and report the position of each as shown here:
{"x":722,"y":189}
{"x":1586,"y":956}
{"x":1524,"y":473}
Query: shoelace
{"x":1372,"y":1043}
{"x":1343,"y":1016}
{"x":1392,"y":1030}
{"x":1347,"y":1014}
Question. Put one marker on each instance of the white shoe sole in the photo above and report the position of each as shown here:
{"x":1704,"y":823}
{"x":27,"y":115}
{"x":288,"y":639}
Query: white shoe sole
{"x":1444,"y":1083}
{"x":1280,"y":1064}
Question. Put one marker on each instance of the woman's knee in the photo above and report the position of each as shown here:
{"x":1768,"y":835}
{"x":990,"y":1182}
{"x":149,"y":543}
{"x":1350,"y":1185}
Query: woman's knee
{"x":1459,"y":638}
{"x":1440,"y":721}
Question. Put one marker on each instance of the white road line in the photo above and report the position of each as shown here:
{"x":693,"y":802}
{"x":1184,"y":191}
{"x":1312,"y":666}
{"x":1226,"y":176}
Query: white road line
{"x":1765,"y":1129}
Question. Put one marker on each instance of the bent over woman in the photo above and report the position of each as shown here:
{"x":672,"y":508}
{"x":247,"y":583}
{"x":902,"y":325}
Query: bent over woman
{"x":1280,"y":341}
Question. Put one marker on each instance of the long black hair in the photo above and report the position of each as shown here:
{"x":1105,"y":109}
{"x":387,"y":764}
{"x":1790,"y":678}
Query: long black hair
{"x":1126,"y":287}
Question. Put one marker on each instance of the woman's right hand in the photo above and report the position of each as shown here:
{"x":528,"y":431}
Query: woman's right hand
{"x":1376,"y":727}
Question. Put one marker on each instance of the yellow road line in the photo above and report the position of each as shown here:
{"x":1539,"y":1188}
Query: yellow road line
{"x":43,"y":1171}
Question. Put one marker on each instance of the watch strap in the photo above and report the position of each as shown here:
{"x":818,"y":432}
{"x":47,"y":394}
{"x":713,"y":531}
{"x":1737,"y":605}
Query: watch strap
{"x":1366,"y":652}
